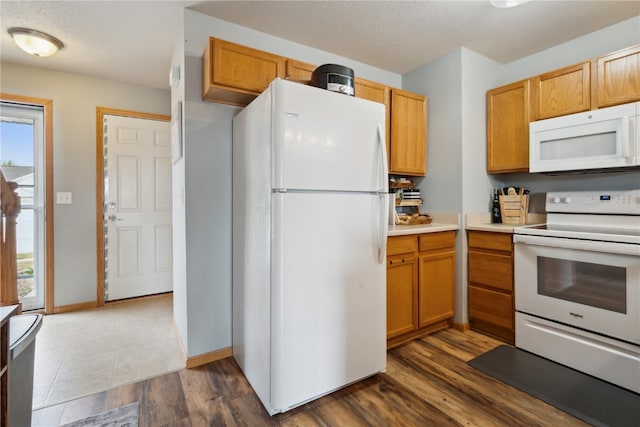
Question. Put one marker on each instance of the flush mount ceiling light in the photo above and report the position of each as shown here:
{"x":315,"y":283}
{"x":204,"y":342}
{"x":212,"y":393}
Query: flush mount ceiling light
{"x":35,"y":42}
{"x":504,"y":4}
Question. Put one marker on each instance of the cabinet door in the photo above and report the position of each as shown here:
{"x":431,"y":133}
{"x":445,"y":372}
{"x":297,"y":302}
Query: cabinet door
{"x":236,"y":74}
{"x":408,"y":133}
{"x":618,"y":77}
{"x":299,"y":71}
{"x":564,"y":91}
{"x":436,"y":292}
{"x":508,"y":117}
{"x":376,"y":92}
{"x":402,"y":291}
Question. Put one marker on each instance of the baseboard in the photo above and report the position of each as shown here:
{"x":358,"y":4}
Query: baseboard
{"x":212,"y":356}
{"x":75,"y":307}
{"x":93,"y":304}
{"x":464,"y":327}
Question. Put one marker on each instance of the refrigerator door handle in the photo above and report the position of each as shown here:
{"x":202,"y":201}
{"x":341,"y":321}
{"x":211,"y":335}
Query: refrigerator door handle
{"x":383,"y":159}
{"x":383,"y":228}
{"x":382,"y":199}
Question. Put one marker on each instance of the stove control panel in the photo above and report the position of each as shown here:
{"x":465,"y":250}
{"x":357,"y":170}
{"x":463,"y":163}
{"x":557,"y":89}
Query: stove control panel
{"x":594,"y":202}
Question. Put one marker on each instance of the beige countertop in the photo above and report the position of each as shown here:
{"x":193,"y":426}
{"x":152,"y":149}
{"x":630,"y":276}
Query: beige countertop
{"x":482,"y":222}
{"x":440,"y":222}
{"x":6,"y":312}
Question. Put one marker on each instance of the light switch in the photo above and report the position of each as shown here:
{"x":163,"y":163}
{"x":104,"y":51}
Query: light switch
{"x":63,"y":197}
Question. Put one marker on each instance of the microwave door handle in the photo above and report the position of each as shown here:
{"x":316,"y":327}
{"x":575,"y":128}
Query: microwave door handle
{"x":627,"y":138}
{"x":632,"y":139}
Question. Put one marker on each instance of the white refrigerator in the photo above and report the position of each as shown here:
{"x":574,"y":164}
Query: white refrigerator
{"x":310,"y":215}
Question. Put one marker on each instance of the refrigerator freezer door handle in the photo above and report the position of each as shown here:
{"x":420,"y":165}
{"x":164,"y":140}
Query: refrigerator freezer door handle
{"x":383,"y":158}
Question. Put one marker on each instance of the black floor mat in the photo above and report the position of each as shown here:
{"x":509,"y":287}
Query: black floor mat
{"x":583,"y":396}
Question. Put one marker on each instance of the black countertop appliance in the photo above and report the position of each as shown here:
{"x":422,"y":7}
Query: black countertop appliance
{"x":336,"y":78}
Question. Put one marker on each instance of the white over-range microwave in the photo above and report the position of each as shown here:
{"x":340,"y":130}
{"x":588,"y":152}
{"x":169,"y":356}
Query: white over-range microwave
{"x":593,"y":140}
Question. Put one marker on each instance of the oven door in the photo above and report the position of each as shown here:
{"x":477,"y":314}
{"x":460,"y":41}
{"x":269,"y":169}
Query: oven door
{"x":587,"y":284}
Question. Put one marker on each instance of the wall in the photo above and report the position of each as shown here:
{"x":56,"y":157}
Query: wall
{"x":199,"y":27}
{"x":456,"y":180}
{"x":202,"y":226}
{"x":75,"y":99}
{"x":455,"y":85}
{"x":606,"y":40}
{"x":610,"y":39}
{"x":178,"y":211}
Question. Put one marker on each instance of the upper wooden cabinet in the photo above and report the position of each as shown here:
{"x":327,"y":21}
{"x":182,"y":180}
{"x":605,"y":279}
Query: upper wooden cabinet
{"x":236,"y":74}
{"x":508,"y":117}
{"x":299,"y":71}
{"x":408,"y":146}
{"x":564,"y":91}
{"x":376,"y":92}
{"x":618,"y":77}
{"x":605,"y":81}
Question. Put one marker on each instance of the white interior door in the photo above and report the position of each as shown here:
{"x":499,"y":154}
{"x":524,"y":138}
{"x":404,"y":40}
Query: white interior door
{"x":137,"y":211}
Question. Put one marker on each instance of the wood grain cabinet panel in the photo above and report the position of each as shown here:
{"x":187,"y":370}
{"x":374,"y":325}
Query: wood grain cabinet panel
{"x":491,"y":269}
{"x":487,"y":240}
{"x":299,"y":71}
{"x":402,"y":291}
{"x":376,"y":92}
{"x":563,"y":91}
{"x":236,"y":74}
{"x":618,"y":77}
{"x":402,"y":245}
{"x":437,"y":275}
{"x":408,"y":146}
{"x":491,"y":307}
{"x":421,"y":275}
{"x":491,"y":291}
{"x":508,"y":117}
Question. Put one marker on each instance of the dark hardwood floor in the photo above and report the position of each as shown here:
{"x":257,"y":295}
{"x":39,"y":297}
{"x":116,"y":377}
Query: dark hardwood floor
{"x":427,"y":383}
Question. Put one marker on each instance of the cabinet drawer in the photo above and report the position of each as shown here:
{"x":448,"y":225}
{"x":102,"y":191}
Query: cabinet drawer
{"x":491,"y":307}
{"x":487,"y":240}
{"x":491,"y":270}
{"x":402,"y":244}
{"x":431,"y":241}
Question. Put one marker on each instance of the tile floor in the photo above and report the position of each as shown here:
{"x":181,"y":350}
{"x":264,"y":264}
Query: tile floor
{"x":89,"y":351}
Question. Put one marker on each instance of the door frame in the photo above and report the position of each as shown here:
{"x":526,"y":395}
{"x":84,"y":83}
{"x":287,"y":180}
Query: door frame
{"x":100,"y":113}
{"x":47,"y":107}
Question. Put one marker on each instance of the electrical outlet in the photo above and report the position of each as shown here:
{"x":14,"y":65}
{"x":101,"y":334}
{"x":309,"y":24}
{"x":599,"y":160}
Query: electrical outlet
{"x":63,"y":197}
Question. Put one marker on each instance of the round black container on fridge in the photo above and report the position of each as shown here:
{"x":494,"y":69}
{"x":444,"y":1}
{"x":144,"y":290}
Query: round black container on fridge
{"x":335,"y":78}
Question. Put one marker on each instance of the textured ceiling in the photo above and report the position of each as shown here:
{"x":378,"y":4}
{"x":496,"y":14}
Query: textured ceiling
{"x":132,"y":41}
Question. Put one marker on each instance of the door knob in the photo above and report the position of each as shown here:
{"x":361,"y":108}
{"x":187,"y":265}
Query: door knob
{"x":114,"y":218}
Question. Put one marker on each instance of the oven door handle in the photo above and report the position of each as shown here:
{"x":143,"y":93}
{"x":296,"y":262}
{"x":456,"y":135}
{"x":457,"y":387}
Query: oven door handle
{"x":577,"y":244}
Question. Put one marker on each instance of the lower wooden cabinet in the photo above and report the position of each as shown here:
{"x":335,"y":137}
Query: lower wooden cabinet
{"x":420,"y":284}
{"x":491,"y":297}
